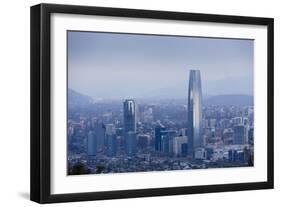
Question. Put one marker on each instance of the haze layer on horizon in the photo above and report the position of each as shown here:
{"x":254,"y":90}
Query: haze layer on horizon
{"x":120,"y":66}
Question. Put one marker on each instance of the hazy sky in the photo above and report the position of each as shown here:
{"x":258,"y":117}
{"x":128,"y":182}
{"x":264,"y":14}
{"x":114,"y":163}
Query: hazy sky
{"x":108,"y":65}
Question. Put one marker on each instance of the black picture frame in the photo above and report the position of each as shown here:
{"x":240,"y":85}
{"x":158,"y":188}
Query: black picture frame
{"x":41,"y":98}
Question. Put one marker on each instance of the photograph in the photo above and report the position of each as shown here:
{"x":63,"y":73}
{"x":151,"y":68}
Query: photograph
{"x":132,"y":103}
{"x":148,"y":102}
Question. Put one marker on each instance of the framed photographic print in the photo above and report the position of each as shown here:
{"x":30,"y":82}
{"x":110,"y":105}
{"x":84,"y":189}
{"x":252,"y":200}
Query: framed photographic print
{"x":133,"y":103}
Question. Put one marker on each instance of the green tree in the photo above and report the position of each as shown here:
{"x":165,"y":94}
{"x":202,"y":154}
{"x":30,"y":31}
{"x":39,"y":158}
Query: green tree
{"x":79,"y":169}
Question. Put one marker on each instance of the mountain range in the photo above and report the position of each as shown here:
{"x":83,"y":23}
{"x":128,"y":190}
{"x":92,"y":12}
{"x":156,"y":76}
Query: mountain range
{"x":78,"y":99}
{"x":235,"y":100}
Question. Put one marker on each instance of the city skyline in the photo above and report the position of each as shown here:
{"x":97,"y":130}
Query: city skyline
{"x":147,"y":113}
{"x":121,"y":59}
{"x":138,"y":138}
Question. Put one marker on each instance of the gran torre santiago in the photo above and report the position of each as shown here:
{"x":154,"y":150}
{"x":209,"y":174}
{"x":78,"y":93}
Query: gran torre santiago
{"x":195,"y":139}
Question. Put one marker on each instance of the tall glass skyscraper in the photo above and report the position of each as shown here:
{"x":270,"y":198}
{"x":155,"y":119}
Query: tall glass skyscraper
{"x":158,"y":136}
{"x":131,"y":143}
{"x":194,"y":120}
{"x":91,"y":144}
{"x":110,"y":133}
{"x":129,"y":110}
{"x":99,"y":129}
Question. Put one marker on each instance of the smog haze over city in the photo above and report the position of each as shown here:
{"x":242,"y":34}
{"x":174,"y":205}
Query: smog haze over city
{"x":140,"y":103}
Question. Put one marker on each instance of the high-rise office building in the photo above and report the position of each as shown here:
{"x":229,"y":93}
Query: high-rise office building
{"x":194,"y":120}
{"x":158,"y":136}
{"x":251,"y":136}
{"x":131,"y":143}
{"x":167,"y":141}
{"x":111,"y":142}
{"x":91,"y":144}
{"x":239,"y":136}
{"x":164,"y":139}
{"x":237,"y":120}
{"x":177,"y":145}
{"x":247,"y":128}
{"x":129,"y":110}
{"x":99,"y":130}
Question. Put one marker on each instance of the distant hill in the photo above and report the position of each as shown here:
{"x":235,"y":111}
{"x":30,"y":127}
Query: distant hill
{"x":77,"y":99}
{"x":236,"y":100}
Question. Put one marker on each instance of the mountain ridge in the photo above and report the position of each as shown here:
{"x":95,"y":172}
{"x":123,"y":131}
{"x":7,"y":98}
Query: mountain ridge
{"x":78,"y":99}
{"x":230,"y":99}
